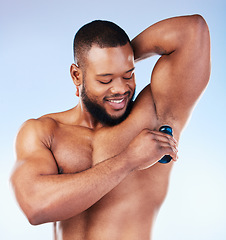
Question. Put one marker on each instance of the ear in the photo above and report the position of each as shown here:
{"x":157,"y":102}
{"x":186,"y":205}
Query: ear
{"x":77,"y":91}
{"x":76,"y":75}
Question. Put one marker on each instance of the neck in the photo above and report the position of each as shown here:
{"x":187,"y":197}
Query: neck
{"x":84,"y":118}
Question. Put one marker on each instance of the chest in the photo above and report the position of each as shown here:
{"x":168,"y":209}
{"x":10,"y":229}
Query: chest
{"x":72,"y":148}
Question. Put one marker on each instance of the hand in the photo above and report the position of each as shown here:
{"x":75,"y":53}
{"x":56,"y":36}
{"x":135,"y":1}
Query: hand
{"x":150,"y":146}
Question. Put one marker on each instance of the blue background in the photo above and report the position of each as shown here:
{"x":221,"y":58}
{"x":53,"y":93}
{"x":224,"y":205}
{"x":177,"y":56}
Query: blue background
{"x":35,"y":56}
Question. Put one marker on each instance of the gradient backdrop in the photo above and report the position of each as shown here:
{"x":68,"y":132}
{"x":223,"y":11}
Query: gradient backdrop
{"x":35,"y":56}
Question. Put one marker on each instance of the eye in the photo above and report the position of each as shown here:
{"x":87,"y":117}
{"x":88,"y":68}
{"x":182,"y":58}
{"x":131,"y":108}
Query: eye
{"x":128,"y":78}
{"x":102,"y":82}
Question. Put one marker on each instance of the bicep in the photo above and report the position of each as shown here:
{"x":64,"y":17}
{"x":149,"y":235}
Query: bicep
{"x":33,"y":159}
{"x":179,"y":79}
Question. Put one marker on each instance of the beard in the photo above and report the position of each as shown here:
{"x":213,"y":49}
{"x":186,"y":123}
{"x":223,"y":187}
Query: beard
{"x":100,"y":114}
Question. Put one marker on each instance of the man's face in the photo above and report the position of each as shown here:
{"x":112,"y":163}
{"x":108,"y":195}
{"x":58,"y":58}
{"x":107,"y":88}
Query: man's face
{"x":109,"y":83}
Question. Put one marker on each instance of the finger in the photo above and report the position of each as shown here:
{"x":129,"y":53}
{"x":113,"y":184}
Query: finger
{"x":168,"y":146}
{"x":157,"y":133}
{"x":167,"y":150}
{"x":164,"y":139}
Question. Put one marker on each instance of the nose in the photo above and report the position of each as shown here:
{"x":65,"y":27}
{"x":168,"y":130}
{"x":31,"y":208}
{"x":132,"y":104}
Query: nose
{"x":120,"y":86}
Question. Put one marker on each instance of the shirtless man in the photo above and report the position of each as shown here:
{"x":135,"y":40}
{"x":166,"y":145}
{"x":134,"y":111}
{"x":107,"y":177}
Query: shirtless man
{"x":93,"y":170}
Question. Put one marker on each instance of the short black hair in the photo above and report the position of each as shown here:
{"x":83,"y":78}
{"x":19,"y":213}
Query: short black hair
{"x":101,"y":33}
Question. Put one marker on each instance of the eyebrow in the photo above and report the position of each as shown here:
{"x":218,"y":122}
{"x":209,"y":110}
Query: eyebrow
{"x":110,"y":74}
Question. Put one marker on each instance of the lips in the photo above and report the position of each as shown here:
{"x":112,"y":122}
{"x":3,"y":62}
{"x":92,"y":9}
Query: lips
{"x":117,"y":103}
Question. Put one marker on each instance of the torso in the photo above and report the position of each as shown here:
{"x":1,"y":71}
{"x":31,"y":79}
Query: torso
{"x":129,"y":210}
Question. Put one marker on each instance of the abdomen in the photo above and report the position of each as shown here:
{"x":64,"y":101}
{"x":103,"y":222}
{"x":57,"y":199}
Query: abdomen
{"x":127,"y":212}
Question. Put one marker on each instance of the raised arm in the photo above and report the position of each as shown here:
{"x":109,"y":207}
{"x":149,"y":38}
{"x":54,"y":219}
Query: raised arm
{"x":182,"y":72}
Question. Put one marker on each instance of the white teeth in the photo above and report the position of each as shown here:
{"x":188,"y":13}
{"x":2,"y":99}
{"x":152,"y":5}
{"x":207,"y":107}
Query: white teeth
{"x":116,"y":101}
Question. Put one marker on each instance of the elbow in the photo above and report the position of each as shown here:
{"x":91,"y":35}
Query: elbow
{"x":32,"y":205}
{"x":198,"y":19}
{"x":202,"y":42}
{"x":33,"y":217}
{"x":37,"y":213}
{"x":24,"y":200}
{"x":34,"y":214}
{"x":195,"y":37}
{"x":199,"y":41}
{"x":31,"y":208}
{"x":199,"y":29}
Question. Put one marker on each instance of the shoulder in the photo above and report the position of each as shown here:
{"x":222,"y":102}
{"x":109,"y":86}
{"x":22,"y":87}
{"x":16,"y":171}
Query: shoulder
{"x":36,"y":132}
{"x":44,"y":123}
{"x":33,"y":147}
{"x":43,"y":129}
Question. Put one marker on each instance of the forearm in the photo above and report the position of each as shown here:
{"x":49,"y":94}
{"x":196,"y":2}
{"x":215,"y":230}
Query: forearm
{"x":164,"y":37}
{"x":59,"y":197}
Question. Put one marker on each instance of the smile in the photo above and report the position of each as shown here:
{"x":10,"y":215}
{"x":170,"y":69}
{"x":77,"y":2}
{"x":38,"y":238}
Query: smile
{"x":116,"y":101}
{"x":117,"y":104}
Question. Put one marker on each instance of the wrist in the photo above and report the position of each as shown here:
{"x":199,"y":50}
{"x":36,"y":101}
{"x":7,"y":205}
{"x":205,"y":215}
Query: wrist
{"x":124,"y":161}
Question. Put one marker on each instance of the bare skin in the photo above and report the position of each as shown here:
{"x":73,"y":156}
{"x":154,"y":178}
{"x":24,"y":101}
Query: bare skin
{"x":98,"y":182}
